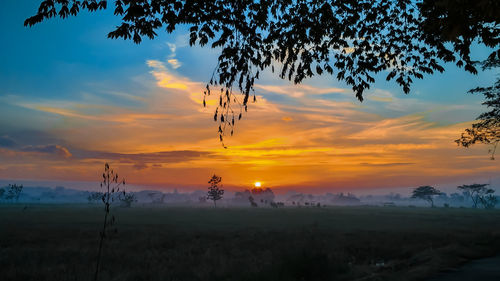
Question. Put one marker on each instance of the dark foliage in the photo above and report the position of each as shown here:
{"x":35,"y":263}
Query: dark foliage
{"x":487,"y":129}
{"x":425,"y":193}
{"x":350,"y":40}
{"x":215,"y":191}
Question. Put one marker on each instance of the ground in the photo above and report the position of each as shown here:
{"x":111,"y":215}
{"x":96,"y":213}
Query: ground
{"x":60,"y":242}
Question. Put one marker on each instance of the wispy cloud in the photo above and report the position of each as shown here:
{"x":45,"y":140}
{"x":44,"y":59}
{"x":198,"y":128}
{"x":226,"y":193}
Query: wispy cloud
{"x":323,"y":138}
{"x":174,"y":63}
{"x":48,"y":149}
{"x":164,"y":78}
{"x":172,"y":60}
{"x":298,"y":91}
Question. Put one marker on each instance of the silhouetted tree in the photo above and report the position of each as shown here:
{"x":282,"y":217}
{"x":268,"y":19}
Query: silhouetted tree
{"x":478,"y":193}
{"x":215,"y":191}
{"x":2,"y":192}
{"x":252,"y":201}
{"x":487,"y":129}
{"x":94,"y":197}
{"x":111,"y":186}
{"x":342,"y":198}
{"x":351,"y":40}
{"x":425,"y":193}
{"x":13,"y":192}
{"x":455,"y":197}
{"x":489,"y":201}
{"x":264,"y":195}
{"x":126,"y":199}
{"x":394,"y":196}
{"x":152,"y":195}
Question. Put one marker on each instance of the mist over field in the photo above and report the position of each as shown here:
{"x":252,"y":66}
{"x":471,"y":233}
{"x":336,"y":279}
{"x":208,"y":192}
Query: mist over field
{"x":197,"y":198}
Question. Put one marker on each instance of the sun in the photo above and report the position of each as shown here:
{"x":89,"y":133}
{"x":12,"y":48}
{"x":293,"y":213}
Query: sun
{"x":257,"y":184}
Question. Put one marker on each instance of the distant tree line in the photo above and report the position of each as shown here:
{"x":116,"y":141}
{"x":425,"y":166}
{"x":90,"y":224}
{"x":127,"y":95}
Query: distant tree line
{"x":479,"y":194}
{"x":124,"y":198}
{"x":11,"y":192}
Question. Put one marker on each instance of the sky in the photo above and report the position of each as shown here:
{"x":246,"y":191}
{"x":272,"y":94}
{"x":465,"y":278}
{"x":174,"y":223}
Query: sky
{"x":71,"y":100}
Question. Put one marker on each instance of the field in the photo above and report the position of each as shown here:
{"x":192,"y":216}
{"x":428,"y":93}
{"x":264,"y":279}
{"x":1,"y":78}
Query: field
{"x":59,"y":242}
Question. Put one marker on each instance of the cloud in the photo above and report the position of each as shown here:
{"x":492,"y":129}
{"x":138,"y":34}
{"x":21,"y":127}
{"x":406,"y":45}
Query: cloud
{"x":300,"y":135}
{"x":6,"y":141}
{"x":126,"y":96}
{"x":164,"y":78}
{"x":53,"y":149}
{"x":141,"y":160}
{"x":381,"y":99}
{"x":174,"y":63}
{"x":385,"y":164}
{"x":172,"y":48}
{"x":393,"y":128}
{"x":108,"y":114}
{"x":300,"y":90}
{"x":172,"y":60}
{"x":140,"y":166}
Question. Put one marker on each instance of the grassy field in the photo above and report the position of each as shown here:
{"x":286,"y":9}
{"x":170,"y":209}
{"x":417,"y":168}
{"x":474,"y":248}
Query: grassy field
{"x":59,"y":242}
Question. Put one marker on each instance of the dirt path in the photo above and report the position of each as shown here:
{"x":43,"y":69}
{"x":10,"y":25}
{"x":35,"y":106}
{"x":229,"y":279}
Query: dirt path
{"x":487,"y":269}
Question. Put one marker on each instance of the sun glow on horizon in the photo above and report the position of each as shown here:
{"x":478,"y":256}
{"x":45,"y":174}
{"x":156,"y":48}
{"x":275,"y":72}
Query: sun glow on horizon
{"x":257,"y":184}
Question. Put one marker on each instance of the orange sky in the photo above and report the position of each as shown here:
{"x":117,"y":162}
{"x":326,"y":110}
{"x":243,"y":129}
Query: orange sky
{"x":311,"y":143}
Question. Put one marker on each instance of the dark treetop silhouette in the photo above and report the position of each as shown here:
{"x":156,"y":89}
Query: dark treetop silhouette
{"x":215,"y":191}
{"x":351,"y":39}
{"x":425,"y":193}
